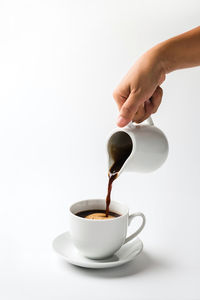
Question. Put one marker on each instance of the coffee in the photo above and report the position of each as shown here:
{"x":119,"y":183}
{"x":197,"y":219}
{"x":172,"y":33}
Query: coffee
{"x":97,"y":214}
{"x":120,"y":147}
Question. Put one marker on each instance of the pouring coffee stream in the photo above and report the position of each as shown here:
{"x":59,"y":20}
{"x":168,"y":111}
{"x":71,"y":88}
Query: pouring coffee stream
{"x":139,"y":148}
{"x":119,"y":150}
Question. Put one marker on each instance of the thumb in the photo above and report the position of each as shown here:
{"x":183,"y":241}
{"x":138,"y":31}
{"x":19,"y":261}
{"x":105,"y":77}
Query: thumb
{"x":128,"y":110}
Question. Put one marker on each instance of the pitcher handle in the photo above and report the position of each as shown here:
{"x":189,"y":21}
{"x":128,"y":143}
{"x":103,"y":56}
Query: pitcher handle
{"x":149,"y":122}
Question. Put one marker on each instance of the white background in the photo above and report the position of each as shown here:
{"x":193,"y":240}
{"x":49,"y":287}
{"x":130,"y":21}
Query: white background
{"x":59,"y":63}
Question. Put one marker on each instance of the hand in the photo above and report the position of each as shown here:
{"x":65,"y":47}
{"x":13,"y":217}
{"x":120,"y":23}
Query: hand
{"x":139,"y":93}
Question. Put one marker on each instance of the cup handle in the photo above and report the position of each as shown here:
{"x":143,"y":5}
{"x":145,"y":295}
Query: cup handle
{"x":130,"y":218}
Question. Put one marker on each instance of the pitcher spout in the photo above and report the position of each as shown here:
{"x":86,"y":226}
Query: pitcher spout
{"x":119,"y":148}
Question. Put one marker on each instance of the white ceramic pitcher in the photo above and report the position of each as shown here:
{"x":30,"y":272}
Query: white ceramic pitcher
{"x":149,"y":147}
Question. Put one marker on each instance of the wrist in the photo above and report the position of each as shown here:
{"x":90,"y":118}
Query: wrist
{"x":165,"y":56}
{"x":158,"y":61}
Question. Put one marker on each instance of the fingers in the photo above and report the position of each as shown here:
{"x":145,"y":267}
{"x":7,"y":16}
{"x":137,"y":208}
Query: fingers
{"x":135,"y":108}
{"x":128,"y":109}
{"x":150,"y":106}
{"x":143,"y":112}
{"x":140,"y":113}
{"x":119,"y":99}
{"x":156,"y":99}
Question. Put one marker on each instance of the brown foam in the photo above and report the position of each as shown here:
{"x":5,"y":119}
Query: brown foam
{"x":99,"y":216}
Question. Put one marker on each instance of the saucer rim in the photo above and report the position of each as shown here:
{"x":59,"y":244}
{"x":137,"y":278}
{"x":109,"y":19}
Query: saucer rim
{"x":94,"y":264}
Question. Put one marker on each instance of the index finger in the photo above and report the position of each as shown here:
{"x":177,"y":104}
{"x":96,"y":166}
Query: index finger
{"x":119,"y":99}
{"x":129,"y":109}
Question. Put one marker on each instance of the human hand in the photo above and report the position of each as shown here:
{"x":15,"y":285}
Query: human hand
{"x":139,"y":93}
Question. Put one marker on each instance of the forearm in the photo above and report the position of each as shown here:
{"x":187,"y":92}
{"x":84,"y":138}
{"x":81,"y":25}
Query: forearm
{"x":182,"y":51}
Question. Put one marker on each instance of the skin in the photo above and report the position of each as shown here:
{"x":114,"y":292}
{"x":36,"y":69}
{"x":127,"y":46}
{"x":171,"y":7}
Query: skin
{"x":139,"y":94}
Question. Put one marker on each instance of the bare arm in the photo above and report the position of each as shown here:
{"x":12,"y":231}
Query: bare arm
{"x":139,"y":93}
{"x":182,"y":51}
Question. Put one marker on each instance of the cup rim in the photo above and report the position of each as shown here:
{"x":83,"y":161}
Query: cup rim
{"x":98,"y":220}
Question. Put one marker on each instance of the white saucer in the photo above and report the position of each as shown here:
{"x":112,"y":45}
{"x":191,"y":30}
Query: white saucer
{"x":63,"y":245}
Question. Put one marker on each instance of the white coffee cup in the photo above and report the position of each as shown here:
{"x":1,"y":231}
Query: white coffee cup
{"x":99,"y":239}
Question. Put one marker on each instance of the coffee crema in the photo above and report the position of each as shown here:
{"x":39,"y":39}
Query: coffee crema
{"x":97,"y":214}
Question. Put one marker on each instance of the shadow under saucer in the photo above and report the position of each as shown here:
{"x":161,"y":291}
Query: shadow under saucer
{"x":142,"y":263}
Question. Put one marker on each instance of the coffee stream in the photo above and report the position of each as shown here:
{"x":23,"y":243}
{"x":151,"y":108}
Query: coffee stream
{"x":119,"y":150}
{"x":112,"y":177}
